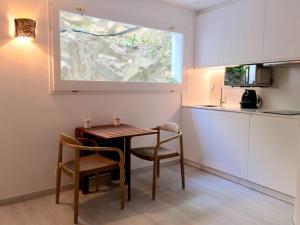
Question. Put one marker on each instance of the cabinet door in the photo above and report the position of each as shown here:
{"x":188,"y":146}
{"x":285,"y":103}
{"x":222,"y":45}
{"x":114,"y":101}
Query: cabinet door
{"x":229,"y":142}
{"x":244,"y":32}
{"x":210,"y":39}
{"x":282,"y":31}
{"x":196,"y":135}
{"x":273,"y":153}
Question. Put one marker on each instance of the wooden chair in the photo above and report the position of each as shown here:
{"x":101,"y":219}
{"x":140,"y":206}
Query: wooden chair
{"x":157,"y":153}
{"x":84,"y":166}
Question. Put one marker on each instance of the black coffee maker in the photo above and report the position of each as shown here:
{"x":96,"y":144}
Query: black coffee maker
{"x":250,"y":100}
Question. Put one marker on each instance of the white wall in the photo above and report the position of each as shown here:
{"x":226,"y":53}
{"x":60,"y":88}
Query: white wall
{"x":285,"y":95}
{"x":297,"y":204}
{"x":31,"y":118}
{"x":197,"y":87}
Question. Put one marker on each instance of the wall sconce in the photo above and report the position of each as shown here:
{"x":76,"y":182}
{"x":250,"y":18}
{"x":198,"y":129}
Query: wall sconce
{"x":25,"y":28}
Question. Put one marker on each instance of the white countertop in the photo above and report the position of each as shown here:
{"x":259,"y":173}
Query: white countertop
{"x":237,"y":109}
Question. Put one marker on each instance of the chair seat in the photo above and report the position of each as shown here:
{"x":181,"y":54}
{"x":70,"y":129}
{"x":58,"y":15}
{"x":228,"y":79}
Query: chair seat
{"x":147,"y":153}
{"x":92,"y":164}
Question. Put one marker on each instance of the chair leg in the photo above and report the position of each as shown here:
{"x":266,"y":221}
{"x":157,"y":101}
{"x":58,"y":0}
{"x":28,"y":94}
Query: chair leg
{"x":58,"y":179}
{"x":97,"y":182}
{"x":158,"y":168}
{"x":122,"y":191}
{"x":76,"y":198}
{"x":154,"y":179}
{"x":182,"y":171}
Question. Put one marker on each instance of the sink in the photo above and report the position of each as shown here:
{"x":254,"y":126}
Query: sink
{"x":209,"y":106}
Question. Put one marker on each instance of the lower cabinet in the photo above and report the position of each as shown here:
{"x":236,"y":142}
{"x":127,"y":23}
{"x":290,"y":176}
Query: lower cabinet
{"x":196,"y":135}
{"x":260,"y":148}
{"x":229,"y":142}
{"x":273,"y":152}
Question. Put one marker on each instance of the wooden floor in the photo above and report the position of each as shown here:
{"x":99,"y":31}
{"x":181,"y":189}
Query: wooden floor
{"x":207,"y":200}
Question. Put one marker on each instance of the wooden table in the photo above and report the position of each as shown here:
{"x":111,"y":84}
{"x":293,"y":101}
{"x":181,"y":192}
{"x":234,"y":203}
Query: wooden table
{"x":111,"y":132}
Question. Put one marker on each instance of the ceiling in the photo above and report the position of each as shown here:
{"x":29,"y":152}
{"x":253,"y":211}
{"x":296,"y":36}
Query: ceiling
{"x":195,"y":4}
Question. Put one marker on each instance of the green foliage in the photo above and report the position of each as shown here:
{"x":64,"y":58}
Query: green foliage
{"x":235,"y":75}
{"x":236,"y":70}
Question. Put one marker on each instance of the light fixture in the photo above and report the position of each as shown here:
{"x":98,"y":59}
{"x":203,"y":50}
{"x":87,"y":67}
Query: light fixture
{"x":25,"y":28}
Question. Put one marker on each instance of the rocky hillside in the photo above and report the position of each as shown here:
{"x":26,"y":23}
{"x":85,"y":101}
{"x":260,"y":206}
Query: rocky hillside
{"x":102,"y":50}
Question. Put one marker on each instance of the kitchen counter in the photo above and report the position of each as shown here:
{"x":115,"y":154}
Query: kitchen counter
{"x":258,"y":147}
{"x":237,"y":109}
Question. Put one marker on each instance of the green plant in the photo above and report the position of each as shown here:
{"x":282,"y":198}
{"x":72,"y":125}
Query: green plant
{"x":236,"y":75}
{"x":237,"y":70}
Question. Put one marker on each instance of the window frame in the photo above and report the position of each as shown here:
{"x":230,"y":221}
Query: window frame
{"x":57,"y":85}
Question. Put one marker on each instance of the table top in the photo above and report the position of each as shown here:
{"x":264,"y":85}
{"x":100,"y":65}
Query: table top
{"x":119,"y":131}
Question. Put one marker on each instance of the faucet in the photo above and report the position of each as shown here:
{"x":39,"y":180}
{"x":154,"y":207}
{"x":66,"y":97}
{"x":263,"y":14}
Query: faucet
{"x":221,"y":94}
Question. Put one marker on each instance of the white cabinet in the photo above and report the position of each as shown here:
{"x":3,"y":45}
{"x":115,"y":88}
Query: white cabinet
{"x":260,"y":148}
{"x":231,"y":35}
{"x":196,"y":135}
{"x":244,"y":32}
{"x":210,"y":38}
{"x":229,"y":142}
{"x":282,"y":31}
{"x":273,"y":153}
{"x":249,"y":31}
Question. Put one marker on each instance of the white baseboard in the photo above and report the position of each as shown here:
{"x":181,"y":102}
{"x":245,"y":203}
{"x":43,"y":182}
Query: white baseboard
{"x":49,"y":191}
{"x":246,"y":183}
{"x":32,"y":195}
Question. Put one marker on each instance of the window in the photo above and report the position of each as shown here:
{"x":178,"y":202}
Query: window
{"x":102,"y":50}
{"x":90,"y":53}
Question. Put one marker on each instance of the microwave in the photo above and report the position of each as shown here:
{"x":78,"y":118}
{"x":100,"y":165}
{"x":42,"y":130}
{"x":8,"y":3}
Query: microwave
{"x":248,"y":76}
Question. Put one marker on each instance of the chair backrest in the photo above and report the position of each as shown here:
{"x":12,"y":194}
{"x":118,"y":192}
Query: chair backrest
{"x":171,"y":127}
{"x":69,"y":141}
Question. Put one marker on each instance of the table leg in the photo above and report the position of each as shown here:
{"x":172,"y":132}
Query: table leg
{"x":128,"y":165}
{"x":84,"y":185}
{"x":83,"y":182}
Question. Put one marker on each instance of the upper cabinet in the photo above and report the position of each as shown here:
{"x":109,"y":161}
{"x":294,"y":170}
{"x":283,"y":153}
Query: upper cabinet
{"x":231,"y":35}
{"x":244,"y":28}
{"x":210,"y":38}
{"x":249,"y":31}
{"x":282,"y":31}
